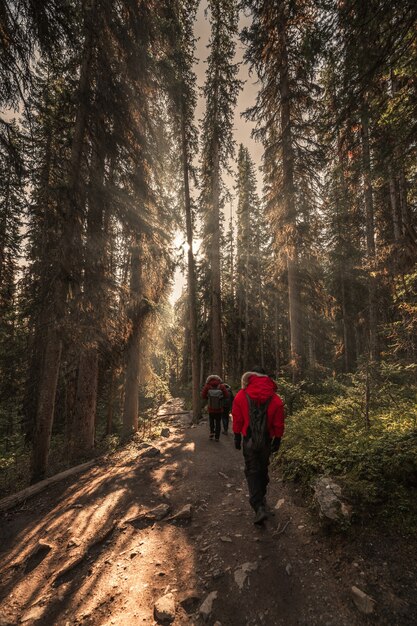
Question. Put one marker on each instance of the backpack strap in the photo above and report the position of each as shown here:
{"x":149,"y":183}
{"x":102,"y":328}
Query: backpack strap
{"x":267,"y":403}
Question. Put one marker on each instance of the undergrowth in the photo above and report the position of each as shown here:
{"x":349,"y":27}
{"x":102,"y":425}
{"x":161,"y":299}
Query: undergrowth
{"x":376,"y":464}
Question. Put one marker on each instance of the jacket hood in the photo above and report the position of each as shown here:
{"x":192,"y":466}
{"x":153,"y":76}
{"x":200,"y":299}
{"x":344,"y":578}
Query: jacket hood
{"x":259,"y":387}
{"x":213,"y":378}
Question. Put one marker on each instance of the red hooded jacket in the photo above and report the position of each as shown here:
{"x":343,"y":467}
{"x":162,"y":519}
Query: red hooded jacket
{"x":214,"y":382}
{"x":260,"y":388}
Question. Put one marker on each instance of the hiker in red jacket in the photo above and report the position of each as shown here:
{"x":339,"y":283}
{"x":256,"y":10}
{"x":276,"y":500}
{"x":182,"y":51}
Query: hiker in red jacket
{"x":258,"y":415}
{"x":216,"y":395}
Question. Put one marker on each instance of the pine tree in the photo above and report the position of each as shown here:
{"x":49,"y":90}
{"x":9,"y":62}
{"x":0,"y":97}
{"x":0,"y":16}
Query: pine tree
{"x":184,"y":99}
{"x":281,"y":43}
{"x":221,"y":90}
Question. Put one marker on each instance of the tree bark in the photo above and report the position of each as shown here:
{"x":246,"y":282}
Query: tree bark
{"x":46,"y":401}
{"x":86,"y":402}
{"x":139,"y":309}
{"x":394,"y":204}
{"x":192,"y":289}
{"x":277,"y":341}
{"x":93,"y":304}
{"x":110,"y":405}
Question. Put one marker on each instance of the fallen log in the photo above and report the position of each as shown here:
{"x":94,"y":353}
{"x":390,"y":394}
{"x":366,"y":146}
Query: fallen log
{"x":21,"y":496}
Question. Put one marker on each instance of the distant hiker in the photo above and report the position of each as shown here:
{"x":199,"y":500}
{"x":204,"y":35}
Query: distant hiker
{"x":216,"y":395}
{"x":258,"y":415}
{"x":227,"y":408}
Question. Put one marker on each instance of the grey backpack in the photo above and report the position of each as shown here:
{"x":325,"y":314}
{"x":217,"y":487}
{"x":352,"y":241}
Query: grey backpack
{"x":215,"y":399}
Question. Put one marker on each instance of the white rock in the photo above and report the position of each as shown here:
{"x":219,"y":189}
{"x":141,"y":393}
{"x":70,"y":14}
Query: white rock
{"x":288,"y":569}
{"x":242,"y":572}
{"x":34,"y":613}
{"x":279,"y":503}
{"x":363,"y":602}
{"x":206,"y":608}
{"x":164,"y":609}
{"x":226,"y":539}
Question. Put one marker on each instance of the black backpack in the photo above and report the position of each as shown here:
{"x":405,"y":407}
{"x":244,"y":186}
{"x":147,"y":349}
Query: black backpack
{"x":215,"y":399}
{"x":258,"y":431}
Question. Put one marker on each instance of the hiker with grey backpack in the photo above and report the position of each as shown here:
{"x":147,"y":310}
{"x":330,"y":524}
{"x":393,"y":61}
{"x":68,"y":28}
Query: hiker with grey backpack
{"x":258,"y":417}
{"x":217,"y":396}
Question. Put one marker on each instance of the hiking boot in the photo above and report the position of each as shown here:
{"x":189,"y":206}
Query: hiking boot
{"x":260,"y":516}
{"x":217,"y":439}
{"x":211,"y":436}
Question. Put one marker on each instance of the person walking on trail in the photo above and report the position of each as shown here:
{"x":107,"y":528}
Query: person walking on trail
{"x":216,"y":394}
{"x":258,"y":416}
{"x":227,"y":408}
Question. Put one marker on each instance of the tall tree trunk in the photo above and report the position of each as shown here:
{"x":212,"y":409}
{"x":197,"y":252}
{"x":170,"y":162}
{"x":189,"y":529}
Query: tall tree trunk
{"x":312,"y":361}
{"x":239,"y":360}
{"x":3,"y":224}
{"x":192,"y":290}
{"x":110,"y":404}
{"x":71,"y":238}
{"x":261,"y":324}
{"x":46,"y":402}
{"x":394,"y":204}
{"x":139,"y":309}
{"x":277,"y":341}
{"x":288,"y":199}
{"x":246,"y":318}
{"x":86,"y":402}
{"x":216,"y":324}
{"x":370,"y":235}
{"x":93,"y":304}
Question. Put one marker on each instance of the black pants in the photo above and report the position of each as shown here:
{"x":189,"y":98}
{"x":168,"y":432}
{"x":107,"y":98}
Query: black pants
{"x":256,"y":471}
{"x":215,"y":423}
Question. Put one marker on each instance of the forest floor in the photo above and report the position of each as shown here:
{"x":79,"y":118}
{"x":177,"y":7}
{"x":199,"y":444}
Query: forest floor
{"x":70,"y":557}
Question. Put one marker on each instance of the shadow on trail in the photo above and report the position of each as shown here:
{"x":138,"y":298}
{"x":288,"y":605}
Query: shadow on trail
{"x":69,"y":520}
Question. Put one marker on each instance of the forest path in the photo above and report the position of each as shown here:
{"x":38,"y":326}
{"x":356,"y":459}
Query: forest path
{"x":69,"y":557}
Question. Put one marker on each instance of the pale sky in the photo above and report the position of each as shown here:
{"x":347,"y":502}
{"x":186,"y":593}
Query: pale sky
{"x":243,"y":128}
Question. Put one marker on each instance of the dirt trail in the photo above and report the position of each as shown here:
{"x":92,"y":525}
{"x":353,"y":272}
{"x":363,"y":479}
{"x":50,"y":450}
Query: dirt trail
{"x":69,"y":557}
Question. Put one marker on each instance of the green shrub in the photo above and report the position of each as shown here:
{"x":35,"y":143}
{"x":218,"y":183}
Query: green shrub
{"x":377,"y":466}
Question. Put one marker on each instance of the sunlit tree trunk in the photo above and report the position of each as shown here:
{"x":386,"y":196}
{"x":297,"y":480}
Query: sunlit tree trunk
{"x":192,"y":290}
{"x":131,"y":402}
{"x":216,"y":328}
